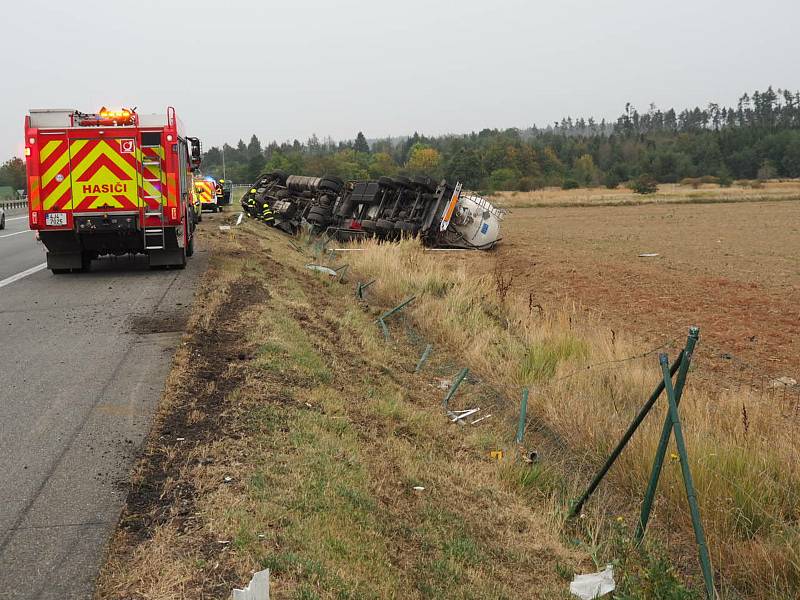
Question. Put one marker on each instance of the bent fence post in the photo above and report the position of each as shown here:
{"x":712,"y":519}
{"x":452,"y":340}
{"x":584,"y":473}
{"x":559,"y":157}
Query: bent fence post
{"x":576,"y":508}
{"x":424,"y":358}
{"x":666,"y":431}
{"x":691,"y":495}
{"x":452,"y":392}
{"x":361,"y":287}
{"x":382,"y":319}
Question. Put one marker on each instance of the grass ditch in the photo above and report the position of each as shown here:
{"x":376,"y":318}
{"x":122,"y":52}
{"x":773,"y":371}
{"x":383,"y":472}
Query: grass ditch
{"x":291,"y":437}
{"x":742,"y":450}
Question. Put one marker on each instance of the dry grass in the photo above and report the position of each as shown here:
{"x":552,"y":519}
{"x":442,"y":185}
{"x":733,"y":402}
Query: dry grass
{"x":744,"y":467}
{"x":324,"y":436}
{"x":667,"y":193}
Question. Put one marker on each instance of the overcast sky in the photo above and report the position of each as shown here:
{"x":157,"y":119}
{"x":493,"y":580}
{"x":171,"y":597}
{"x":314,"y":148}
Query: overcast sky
{"x":286,"y":70}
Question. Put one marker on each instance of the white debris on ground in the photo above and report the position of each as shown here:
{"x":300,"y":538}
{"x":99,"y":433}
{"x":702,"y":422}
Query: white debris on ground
{"x":593,"y":585}
{"x":257,"y":589}
{"x":781,"y":382}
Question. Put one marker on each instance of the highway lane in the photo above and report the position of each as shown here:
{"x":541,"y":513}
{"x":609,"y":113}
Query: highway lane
{"x":82,"y":369}
{"x":19,"y":249}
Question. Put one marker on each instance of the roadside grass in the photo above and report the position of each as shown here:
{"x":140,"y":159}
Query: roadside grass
{"x":744,"y":468}
{"x":300,"y":452}
{"x":668,"y":193}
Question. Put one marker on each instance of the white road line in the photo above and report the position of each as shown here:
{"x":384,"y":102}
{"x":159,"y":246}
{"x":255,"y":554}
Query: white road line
{"x":15,"y":233}
{"x":16,"y":218}
{"x":18,"y":276}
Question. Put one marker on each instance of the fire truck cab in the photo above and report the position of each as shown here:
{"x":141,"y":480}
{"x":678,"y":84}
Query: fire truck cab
{"x":112,"y":182}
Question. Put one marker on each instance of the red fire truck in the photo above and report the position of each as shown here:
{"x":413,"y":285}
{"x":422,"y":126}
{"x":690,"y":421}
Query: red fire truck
{"x":111,"y":182}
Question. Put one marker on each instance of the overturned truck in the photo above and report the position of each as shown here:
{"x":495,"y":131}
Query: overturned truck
{"x":441,"y":214}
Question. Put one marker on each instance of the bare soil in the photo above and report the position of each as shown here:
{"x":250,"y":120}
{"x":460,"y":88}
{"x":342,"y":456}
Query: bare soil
{"x":731,"y":269}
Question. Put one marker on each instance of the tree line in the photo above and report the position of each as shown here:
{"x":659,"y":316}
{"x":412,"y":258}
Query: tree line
{"x":759,"y":137}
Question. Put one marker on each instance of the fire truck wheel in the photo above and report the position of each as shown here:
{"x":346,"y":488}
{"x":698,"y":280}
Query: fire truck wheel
{"x":182,"y":260}
{"x":60,"y":271}
{"x":86,"y":262}
{"x":190,"y":247}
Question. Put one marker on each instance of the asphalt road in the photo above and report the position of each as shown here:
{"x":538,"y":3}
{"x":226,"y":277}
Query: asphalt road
{"x":81,"y":372}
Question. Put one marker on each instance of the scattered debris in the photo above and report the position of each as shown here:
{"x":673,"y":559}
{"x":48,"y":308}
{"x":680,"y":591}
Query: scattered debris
{"x":257,"y":589}
{"x":443,"y":384}
{"x":531,"y":457}
{"x":228,"y":479}
{"x":476,"y":421}
{"x":457,"y":415}
{"x":239,"y":218}
{"x":322,"y":269}
{"x":496,"y":454}
{"x":418,"y":488}
{"x":224,"y":227}
{"x":180,"y":439}
{"x":649,"y":255}
{"x":593,"y":585}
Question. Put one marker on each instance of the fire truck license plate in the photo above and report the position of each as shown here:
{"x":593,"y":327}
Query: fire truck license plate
{"x":56,"y":219}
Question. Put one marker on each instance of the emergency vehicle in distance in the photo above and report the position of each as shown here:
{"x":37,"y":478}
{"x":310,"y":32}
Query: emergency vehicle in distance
{"x":205,"y":188}
{"x":112,"y":182}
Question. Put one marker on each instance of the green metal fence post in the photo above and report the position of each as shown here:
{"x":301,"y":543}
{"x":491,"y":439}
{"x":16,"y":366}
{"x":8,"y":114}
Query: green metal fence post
{"x":456,"y":382}
{"x":361,"y":287}
{"x":666,"y":432}
{"x":400,"y":306}
{"x":382,"y":319}
{"x":424,"y":358}
{"x":691,"y":496}
{"x":342,"y":271}
{"x":384,"y":328}
{"x":523,"y":414}
{"x":576,"y":508}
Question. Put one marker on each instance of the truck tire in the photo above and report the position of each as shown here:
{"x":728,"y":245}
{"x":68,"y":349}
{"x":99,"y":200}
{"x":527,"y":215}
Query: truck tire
{"x":190,"y":247}
{"x":401,"y":181}
{"x":182,"y":260}
{"x":331,"y":184}
{"x":406,"y":227}
{"x":60,"y":271}
{"x":86,"y":262}
{"x":279,"y":176}
{"x":424,"y":183}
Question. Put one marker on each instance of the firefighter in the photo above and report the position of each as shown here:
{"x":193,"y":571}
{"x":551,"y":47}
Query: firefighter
{"x":249,"y":203}
{"x":266,"y":214}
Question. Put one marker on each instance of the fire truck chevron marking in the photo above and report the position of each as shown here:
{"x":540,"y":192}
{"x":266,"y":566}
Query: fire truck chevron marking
{"x":103,"y":161}
{"x":48,"y":149}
